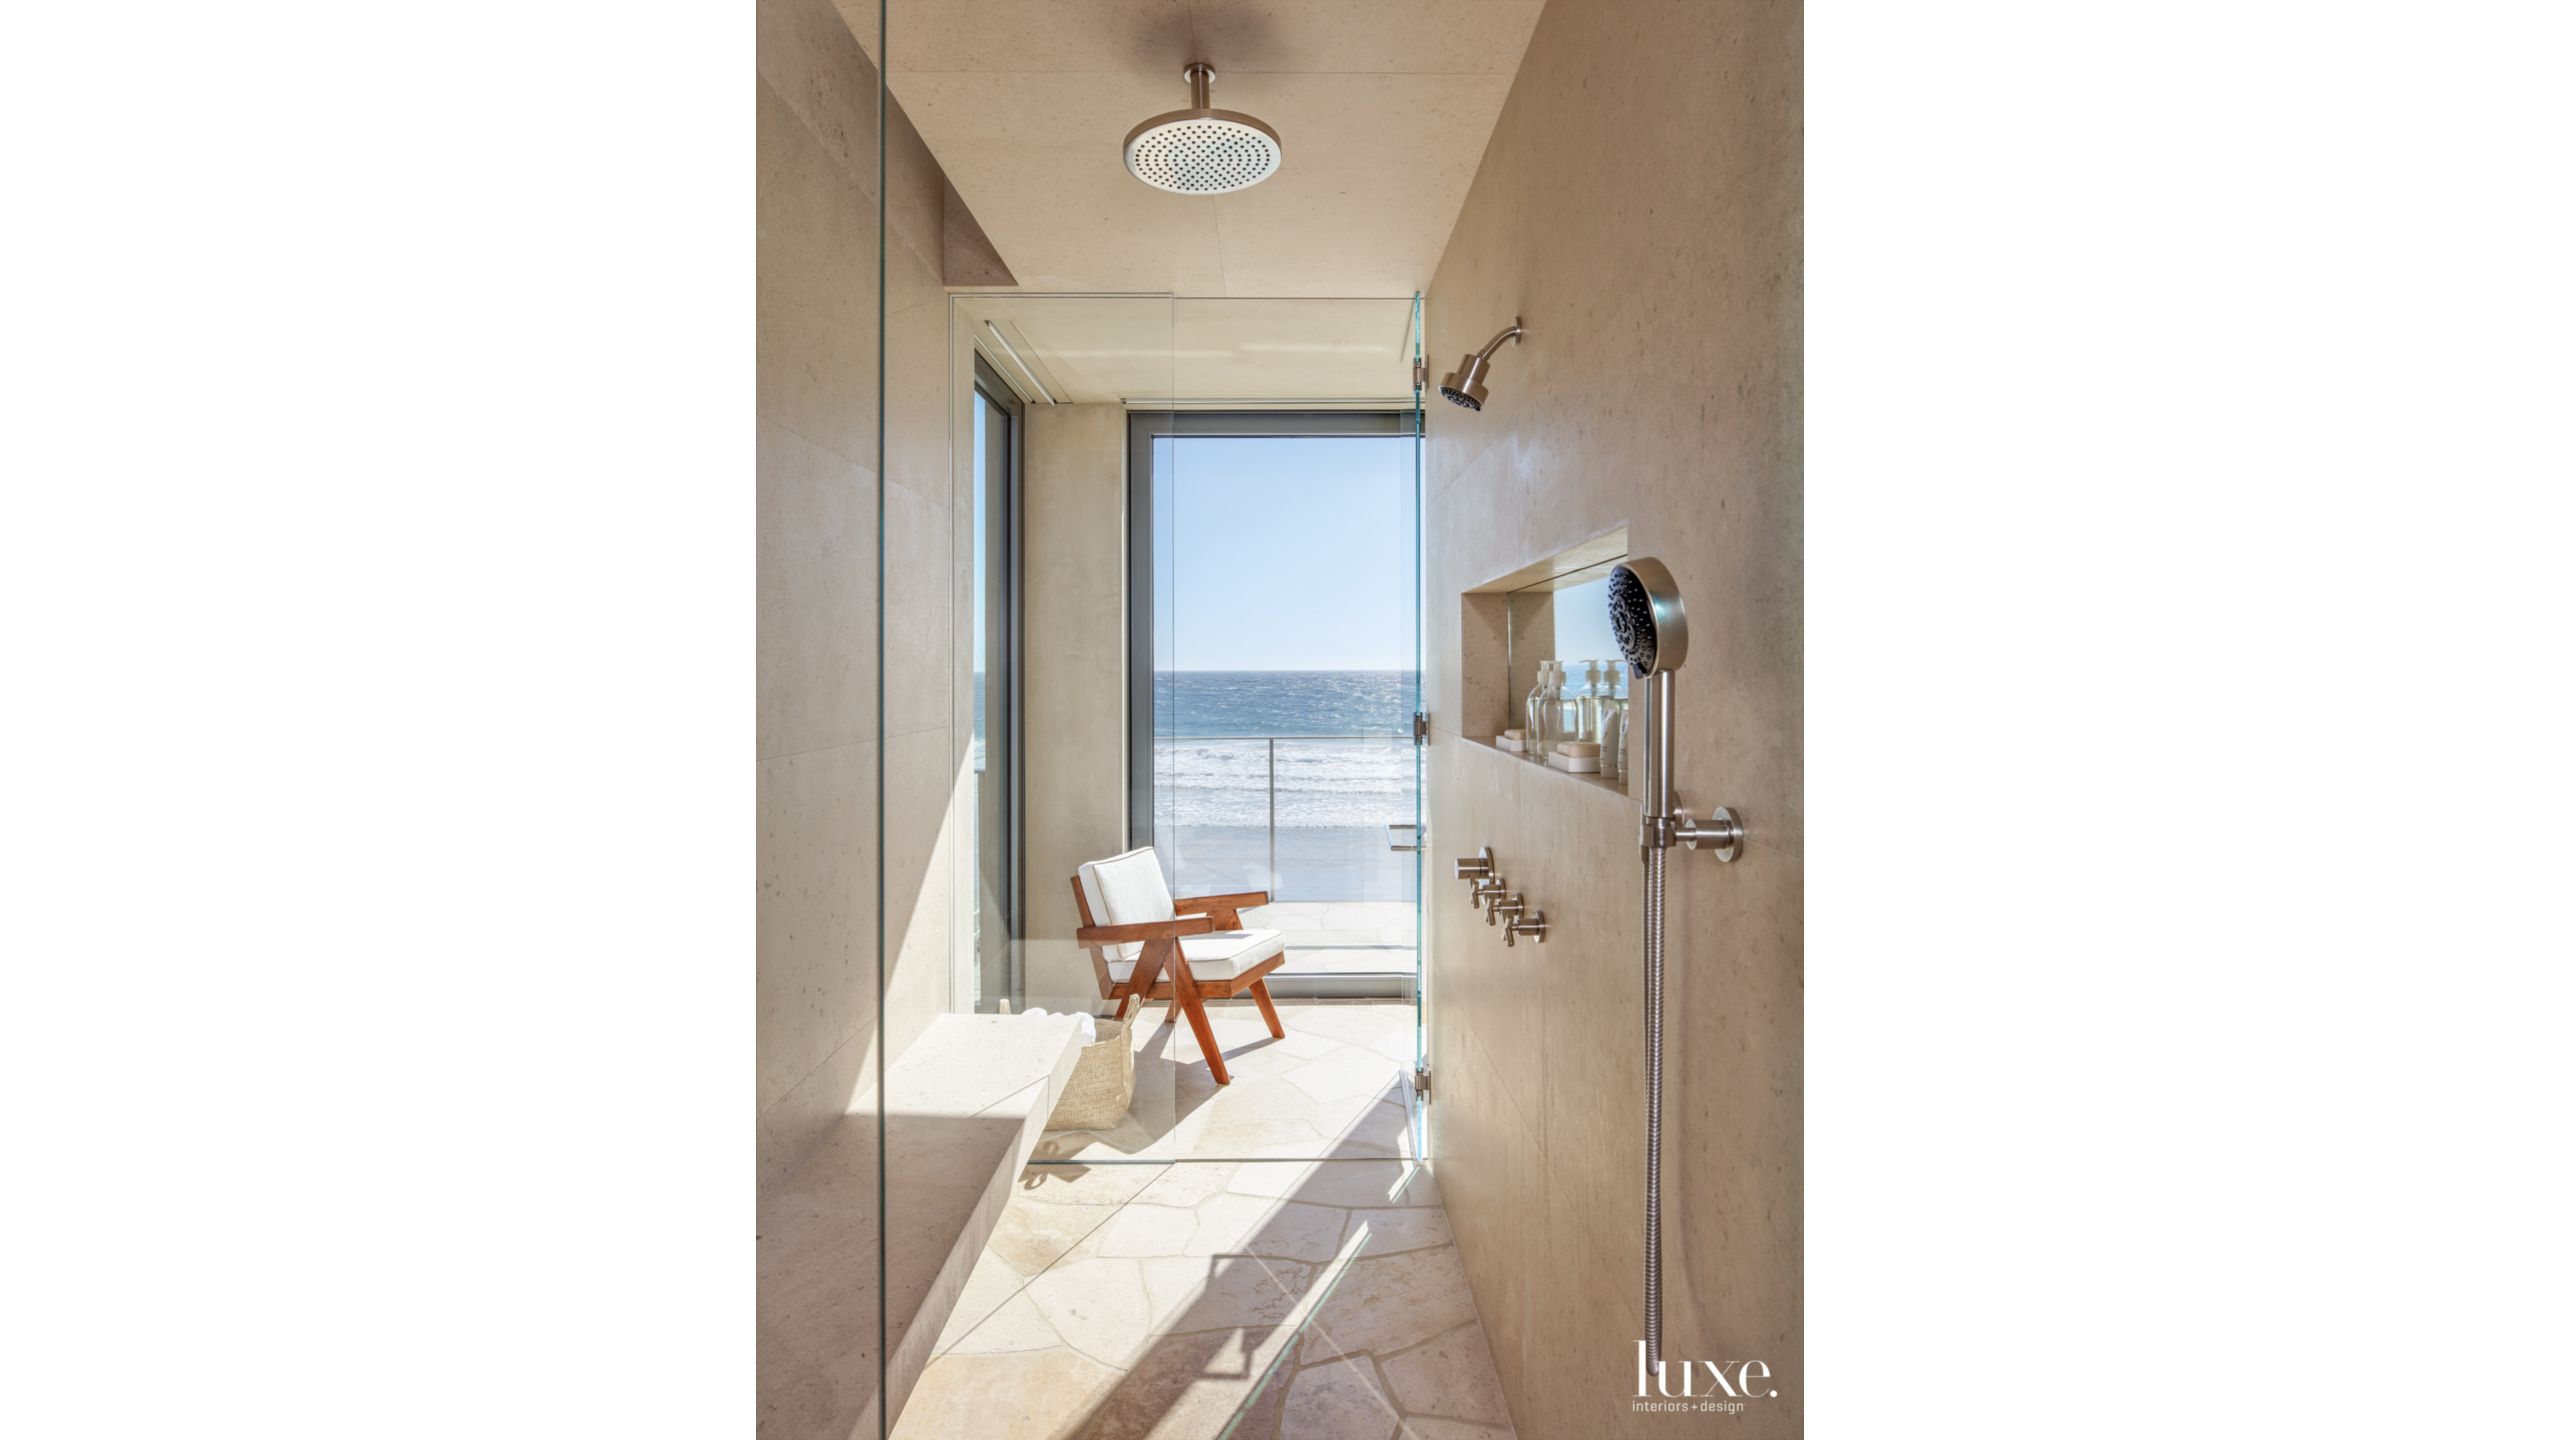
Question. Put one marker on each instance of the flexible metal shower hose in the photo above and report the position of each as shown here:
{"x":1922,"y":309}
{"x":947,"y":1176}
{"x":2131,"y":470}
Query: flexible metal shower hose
{"x":1653,"y":867}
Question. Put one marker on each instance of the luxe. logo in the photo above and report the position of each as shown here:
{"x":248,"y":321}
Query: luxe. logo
{"x":1717,"y":1386}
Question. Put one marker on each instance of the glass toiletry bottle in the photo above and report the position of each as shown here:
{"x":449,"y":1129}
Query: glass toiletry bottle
{"x":1550,"y":682}
{"x":1560,"y":713}
{"x":1587,"y":723}
{"x":1533,"y":716}
{"x":1626,"y":723}
{"x":1613,"y":718}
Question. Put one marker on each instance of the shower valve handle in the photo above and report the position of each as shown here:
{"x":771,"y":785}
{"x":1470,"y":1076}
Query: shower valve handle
{"x":1510,"y":906}
{"x":1533,"y":925}
{"x":1476,"y":866}
{"x":1487,"y":888}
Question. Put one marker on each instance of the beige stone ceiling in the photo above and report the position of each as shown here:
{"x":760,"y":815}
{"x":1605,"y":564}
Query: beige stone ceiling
{"x":1154,"y":350}
{"x":1383,"y":109}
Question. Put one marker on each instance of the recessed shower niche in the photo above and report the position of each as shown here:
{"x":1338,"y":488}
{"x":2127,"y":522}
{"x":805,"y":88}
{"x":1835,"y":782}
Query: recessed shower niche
{"x":1541,"y":634}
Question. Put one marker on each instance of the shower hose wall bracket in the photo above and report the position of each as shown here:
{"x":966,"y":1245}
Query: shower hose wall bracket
{"x":1721,"y":832}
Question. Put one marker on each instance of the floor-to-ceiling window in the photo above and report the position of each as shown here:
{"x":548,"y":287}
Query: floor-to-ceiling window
{"x":995,"y":623}
{"x":1272,"y":704}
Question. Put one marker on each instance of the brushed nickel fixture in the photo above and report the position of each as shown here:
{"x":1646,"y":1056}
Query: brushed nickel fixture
{"x":1652,"y":631}
{"x":1476,"y":866}
{"x":1465,"y":385}
{"x":1201,"y":151}
{"x":1505,"y":908}
{"x":1483,"y":888}
{"x":1534,"y":925}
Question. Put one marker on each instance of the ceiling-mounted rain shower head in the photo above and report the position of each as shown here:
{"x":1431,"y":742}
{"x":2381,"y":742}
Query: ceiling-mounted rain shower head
{"x":1645,"y":613}
{"x":1465,"y":385}
{"x":1201,"y":151}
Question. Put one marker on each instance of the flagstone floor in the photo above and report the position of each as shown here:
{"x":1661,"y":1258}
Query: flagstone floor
{"x":1263,"y":1260}
{"x":1266,"y":1300}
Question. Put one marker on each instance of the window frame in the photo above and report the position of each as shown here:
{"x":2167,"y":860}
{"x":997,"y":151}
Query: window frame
{"x":1139,"y":511}
{"x":1002,"y":977}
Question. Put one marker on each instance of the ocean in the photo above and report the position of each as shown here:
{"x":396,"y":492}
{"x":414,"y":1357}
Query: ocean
{"x":1286,"y":780}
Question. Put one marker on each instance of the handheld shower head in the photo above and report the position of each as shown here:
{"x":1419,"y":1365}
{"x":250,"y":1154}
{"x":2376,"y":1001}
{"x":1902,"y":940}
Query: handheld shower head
{"x":1646,"y":614}
{"x":1652,"y":629}
{"x":1464,"y":386}
{"x":1653,"y":633}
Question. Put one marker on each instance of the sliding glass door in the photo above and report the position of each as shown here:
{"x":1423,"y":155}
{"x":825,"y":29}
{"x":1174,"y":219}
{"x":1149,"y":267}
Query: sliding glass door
{"x":1275,"y":678}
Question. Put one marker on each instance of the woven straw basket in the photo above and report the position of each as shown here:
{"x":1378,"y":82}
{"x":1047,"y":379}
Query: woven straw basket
{"x":1097,"y":1094}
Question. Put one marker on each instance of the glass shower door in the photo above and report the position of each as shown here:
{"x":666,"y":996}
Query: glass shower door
{"x":819,"y":511}
{"x":1420,"y":1064}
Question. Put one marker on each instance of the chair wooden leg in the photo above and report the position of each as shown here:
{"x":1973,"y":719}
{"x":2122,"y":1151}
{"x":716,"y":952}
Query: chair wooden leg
{"x":1187,"y":995}
{"x":1270,"y":1017}
{"x":1154,"y":961}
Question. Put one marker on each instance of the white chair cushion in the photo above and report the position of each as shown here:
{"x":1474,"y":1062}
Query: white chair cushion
{"x":1127,"y":889}
{"x":1218,"y":955}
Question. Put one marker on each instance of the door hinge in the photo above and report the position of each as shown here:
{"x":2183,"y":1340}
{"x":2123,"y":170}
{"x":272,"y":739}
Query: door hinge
{"x":1421,"y":726}
{"x":1421,"y":1079}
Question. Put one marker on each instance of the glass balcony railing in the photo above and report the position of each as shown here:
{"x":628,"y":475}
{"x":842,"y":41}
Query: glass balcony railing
{"x":1304,"y":817}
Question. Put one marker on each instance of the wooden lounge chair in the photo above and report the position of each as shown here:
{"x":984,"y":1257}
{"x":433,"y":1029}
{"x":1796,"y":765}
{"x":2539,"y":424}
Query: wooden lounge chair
{"x":1147,"y":945}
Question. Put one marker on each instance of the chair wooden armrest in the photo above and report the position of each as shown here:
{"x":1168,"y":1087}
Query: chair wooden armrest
{"x":1222,"y":908}
{"x":1173,"y":929}
{"x":1241,"y":900}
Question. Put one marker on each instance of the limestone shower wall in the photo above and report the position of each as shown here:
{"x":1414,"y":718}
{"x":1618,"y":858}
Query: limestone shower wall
{"x":1640,"y":204}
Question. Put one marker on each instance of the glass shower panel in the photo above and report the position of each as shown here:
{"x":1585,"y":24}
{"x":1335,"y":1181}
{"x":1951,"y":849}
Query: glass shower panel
{"x":1077,"y":364}
{"x":1273,"y":591}
{"x":820,"y":507}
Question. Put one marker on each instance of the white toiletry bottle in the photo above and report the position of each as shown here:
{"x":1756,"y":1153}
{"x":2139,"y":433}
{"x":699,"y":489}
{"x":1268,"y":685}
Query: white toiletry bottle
{"x":1589,"y":720}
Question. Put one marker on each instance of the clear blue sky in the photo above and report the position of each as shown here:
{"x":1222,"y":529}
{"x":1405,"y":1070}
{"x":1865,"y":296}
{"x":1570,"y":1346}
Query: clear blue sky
{"x":1292,"y":553}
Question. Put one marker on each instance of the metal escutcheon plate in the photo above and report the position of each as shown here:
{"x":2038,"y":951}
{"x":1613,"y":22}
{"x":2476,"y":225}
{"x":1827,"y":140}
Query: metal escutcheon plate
{"x":1727,"y":852}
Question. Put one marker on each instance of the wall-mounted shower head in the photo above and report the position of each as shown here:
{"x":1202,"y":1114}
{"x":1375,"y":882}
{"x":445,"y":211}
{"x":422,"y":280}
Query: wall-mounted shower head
{"x":1465,"y":385}
{"x":1201,"y":151}
{"x":1645,"y":613}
